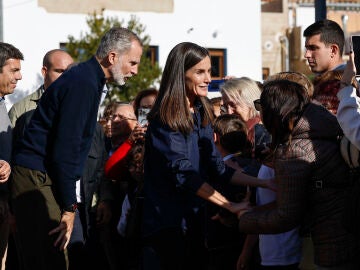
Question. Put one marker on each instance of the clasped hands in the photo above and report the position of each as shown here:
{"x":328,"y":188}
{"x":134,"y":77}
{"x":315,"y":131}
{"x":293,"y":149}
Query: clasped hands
{"x":230,"y":217}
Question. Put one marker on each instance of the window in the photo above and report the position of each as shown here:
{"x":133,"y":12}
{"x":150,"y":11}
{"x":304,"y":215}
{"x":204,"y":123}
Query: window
{"x":265,"y":73}
{"x":218,"y":63}
{"x":63,"y":45}
{"x":153,"y":54}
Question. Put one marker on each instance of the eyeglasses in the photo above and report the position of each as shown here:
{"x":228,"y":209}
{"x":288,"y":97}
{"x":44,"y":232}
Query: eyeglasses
{"x":120,"y":117}
{"x":257,"y":104}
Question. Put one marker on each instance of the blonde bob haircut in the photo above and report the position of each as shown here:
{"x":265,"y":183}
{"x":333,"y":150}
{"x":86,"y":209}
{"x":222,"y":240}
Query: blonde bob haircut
{"x":242,"y":91}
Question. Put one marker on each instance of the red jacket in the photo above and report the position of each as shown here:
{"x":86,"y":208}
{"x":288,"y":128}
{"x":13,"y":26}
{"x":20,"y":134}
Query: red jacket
{"x":115,"y":165}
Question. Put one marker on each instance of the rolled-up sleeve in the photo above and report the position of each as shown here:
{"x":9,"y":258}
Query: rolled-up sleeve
{"x":180,"y":155}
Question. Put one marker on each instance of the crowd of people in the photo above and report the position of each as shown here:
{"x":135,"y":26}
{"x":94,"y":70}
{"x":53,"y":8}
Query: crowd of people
{"x":254,"y":179}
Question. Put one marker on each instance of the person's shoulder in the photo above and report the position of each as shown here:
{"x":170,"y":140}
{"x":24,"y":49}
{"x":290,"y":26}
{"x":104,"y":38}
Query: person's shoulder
{"x":159,"y":129}
{"x":27,"y":103}
{"x":99,"y":130}
{"x":36,"y":94}
{"x":86,"y":73}
{"x":260,"y":128}
{"x":91,"y":65}
{"x":317,"y":114}
{"x":33,"y":97}
{"x":340,"y":67}
{"x":262,"y":136}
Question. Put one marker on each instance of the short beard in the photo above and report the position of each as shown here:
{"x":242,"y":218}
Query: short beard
{"x":118,"y":77}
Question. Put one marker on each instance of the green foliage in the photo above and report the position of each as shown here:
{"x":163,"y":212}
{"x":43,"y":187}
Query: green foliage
{"x":85,"y":47}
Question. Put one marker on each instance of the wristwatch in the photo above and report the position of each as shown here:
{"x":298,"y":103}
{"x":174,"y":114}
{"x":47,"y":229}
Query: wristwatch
{"x":71,"y":208}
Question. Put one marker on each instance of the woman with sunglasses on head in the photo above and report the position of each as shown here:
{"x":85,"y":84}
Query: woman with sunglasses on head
{"x":282,"y":250}
{"x":311,"y":175}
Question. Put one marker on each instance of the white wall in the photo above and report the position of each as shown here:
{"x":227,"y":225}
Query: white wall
{"x":237,"y":23}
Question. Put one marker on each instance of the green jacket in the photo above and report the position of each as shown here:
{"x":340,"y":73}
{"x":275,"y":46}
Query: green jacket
{"x":26,"y":104}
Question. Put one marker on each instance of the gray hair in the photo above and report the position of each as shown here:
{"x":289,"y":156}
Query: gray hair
{"x":242,"y":90}
{"x":116,"y":39}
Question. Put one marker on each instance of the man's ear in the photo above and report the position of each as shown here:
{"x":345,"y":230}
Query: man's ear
{"x":335,"y":49}
{"x":111,"y":57}
{"x":43,"y":71}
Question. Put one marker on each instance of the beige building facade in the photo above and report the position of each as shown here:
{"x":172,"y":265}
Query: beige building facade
{"x":282,"y":28}
{"x":89,"y":6}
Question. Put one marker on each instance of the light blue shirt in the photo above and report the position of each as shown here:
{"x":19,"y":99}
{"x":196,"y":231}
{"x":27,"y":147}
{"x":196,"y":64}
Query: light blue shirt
{"x":276,"y":249}
{"x":5,"y":132}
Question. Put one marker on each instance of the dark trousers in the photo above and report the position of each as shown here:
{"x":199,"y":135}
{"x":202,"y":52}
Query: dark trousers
{"x":4,"y":229}
{"x":84,"y":249}
{"x":164,"y":250}
{"x":281,"y":267}
{"x":37,"y":213}
{"x":76,"y":247}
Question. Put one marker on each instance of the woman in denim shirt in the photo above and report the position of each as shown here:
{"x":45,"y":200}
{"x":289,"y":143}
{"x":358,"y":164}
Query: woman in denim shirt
{"x":179,"y":156}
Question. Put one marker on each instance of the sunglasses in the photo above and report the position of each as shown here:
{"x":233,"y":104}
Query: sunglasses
{"x":257,"y":104}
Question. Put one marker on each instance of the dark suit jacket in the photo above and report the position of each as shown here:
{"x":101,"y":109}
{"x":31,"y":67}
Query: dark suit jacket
{"x":93,"y":178}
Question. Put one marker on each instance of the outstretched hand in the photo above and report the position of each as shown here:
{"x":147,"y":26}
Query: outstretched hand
{"x":244,"y":206}
{"x":238,"y":209}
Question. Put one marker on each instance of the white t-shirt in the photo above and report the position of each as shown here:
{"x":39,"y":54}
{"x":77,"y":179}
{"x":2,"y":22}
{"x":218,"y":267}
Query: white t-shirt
{"x":276,"y":249}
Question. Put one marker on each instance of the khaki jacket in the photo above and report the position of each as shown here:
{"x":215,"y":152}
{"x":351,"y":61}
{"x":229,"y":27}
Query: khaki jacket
{"x":26,"y":104}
